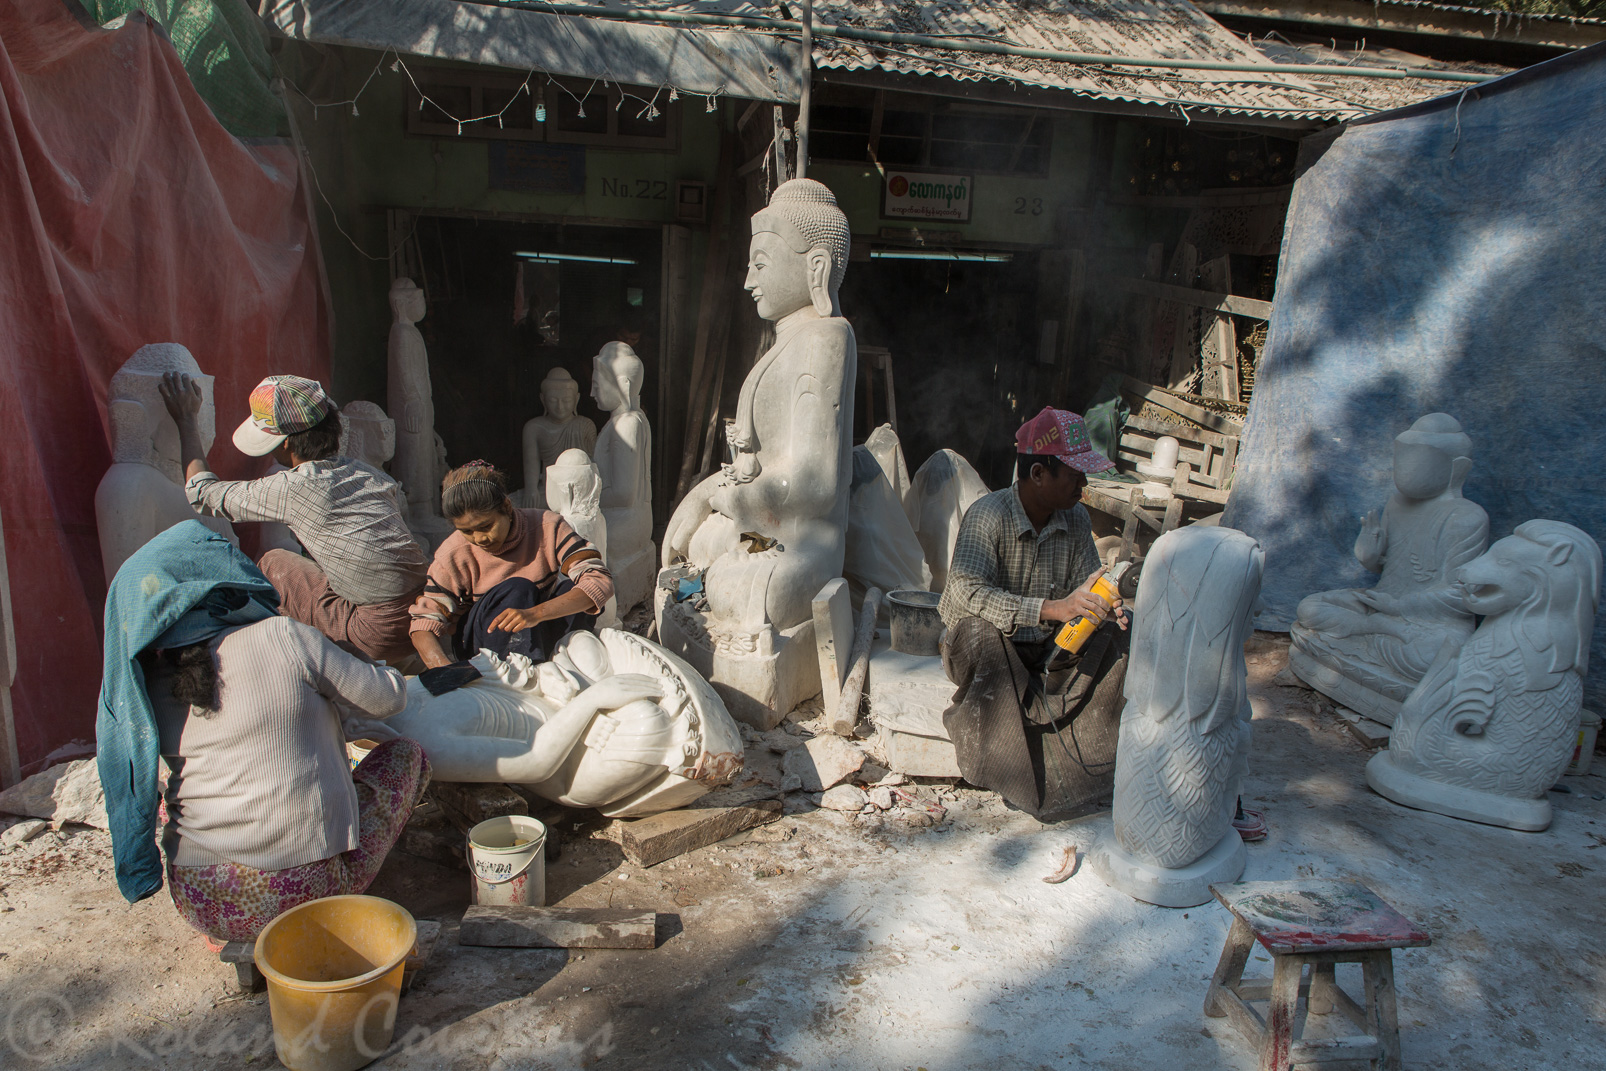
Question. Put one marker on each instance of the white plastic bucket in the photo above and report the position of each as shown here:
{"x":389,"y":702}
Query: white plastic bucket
{"x":507,"y":857}
{"x":1588,"y":729}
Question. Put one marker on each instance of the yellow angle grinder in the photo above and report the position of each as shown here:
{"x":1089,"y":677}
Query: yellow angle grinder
{"x":1119,"y":581}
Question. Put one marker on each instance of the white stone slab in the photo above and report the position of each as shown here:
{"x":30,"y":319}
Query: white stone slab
{"x":908,"y":694}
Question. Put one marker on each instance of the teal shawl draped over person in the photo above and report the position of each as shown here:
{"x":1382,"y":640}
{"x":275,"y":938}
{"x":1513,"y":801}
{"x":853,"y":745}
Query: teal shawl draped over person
{"x":183,"y":587}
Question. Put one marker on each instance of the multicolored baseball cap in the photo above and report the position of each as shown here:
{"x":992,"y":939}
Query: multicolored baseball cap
{"x":1062,"y":434}
{"x":281,"y":406}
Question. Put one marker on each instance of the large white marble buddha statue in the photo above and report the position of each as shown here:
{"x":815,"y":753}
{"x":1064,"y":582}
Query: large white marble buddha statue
{"x":767,"y":532}
{"x":558,"y":428}
{"x":611,"y":721}
{"x":1367,"y":648}
{"x":624,"y":460}
{"x":143,"y":491}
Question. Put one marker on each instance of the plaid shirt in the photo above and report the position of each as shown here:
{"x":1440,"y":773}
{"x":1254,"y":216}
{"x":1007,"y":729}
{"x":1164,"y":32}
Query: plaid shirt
{"x":1003,"y":569}
{"x":344,"y":514}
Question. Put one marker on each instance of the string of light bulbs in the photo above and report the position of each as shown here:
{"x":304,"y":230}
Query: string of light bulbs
{"x":649,"y":106}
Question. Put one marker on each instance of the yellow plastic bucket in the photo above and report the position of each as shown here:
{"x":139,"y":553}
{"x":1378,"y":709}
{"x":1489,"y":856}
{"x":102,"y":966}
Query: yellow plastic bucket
{"x":334,"y":972}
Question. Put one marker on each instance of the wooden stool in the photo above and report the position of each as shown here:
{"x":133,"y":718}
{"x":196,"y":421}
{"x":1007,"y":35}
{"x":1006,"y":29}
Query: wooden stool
{"x":1321,"y":923}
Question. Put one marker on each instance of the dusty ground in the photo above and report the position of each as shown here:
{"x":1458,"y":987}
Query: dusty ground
{"x":819,"y":942}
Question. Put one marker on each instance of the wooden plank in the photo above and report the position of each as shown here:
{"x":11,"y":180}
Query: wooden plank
{"x":1184,"y":355}
{"x":736,"y":797}
{"x":1076,"y":286}
{"x":710,"y":304}
{"x":476,"y":802}
{"x":1219,"y":346}
{"x":1319,"y":915}
{"x":517,"y":926}
{"x":1230,"y":967}
{"x":1334,"y":1050}
{"x":1278,"y":1040}
{"x":1223,"y":198}
{"x":1177,"y":431}
{"x":1213,"y":300}
{"x":10,"y":760}
{"x":1241,"y":1015}
{"x":649,"y":841}
{"x":1117,"y":507}
{"x":1181,"y":406}
{"x":1382,"y":1012}
{"x":846,"y":715}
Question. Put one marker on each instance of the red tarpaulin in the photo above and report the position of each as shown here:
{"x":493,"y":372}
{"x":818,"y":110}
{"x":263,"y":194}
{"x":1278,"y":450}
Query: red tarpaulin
{"x":128,"y":215}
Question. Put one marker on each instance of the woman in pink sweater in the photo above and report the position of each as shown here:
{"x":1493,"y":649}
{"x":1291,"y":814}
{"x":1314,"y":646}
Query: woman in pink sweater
{"x":515,"y":581}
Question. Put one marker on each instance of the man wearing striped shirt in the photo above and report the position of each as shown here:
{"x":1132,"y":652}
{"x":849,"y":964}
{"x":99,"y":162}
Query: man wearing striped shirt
{"x":362,"y":568}
{"x":1023,"y":563}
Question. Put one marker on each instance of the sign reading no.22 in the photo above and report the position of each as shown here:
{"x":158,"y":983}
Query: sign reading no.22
{"x":638,"y":189}
{"x":919,"y":195}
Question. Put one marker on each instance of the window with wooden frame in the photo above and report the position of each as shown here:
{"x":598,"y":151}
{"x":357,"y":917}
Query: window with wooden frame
{"x":907,"y":130}
{"x":564,"y":110}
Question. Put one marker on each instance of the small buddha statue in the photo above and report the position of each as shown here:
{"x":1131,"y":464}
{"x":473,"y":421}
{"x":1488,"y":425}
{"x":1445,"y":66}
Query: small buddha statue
{"x":624,"y":458}
{"x":557,"y":429}
{"x":143,"y":491}
{"x":764,"y":534}
{"x":412,"y":405}
{"x":1367,"y":648}
{"x":574,"y":492}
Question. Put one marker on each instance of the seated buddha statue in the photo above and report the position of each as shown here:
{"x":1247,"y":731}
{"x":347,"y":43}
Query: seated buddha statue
{"x":1367,"y":648}
{"x":765,"y":533}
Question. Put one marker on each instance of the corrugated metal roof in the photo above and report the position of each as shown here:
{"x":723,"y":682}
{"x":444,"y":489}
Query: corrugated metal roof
{"x":1377,"y":94}
{"x":1499,"y":17}
{"x":1173,"y":29}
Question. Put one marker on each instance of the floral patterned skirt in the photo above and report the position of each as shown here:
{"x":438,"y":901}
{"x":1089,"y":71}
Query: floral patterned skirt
{"x":234,"y":902}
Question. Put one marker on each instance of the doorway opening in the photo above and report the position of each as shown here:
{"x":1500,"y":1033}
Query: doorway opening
{"x":509,"y":301}
{"x":963,"y":336}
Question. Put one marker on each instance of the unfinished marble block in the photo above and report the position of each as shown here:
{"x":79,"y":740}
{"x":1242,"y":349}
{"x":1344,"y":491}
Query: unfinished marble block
{"x":822,"y":761}
{"x":142,"y":493}
{"x":574,"y":491}
{"x":1184,"y":745}
{"x":1493,"y":724}
{"x":1366,"y":648}
{"x":833,"y":638}
{"x":411,"y":401}
{"x":766,"y":532}
{"x":67,"y":792}
{"x":612,"y":721}
{"x":942,"y":490}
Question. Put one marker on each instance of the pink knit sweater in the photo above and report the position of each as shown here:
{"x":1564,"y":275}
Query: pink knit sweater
{"x":537,"y":546}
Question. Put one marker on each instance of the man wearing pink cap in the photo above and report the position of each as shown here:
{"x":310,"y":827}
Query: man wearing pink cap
{"x":362,"y":568}
{"x":1023,"y":563}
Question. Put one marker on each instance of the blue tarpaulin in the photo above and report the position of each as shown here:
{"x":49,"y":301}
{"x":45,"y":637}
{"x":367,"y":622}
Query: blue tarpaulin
{"x":1447,"y":257}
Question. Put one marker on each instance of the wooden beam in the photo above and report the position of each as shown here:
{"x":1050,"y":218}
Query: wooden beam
{"x":517,"y":926}
{"x":1226,"y":198}
{"x":1204,"y":299}
{"x":1181,"y":406}
{"x":649,"y":841}
{"x":10,"y":760}
{"x":1423,"y":19}
{"x":1176,"y":431}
